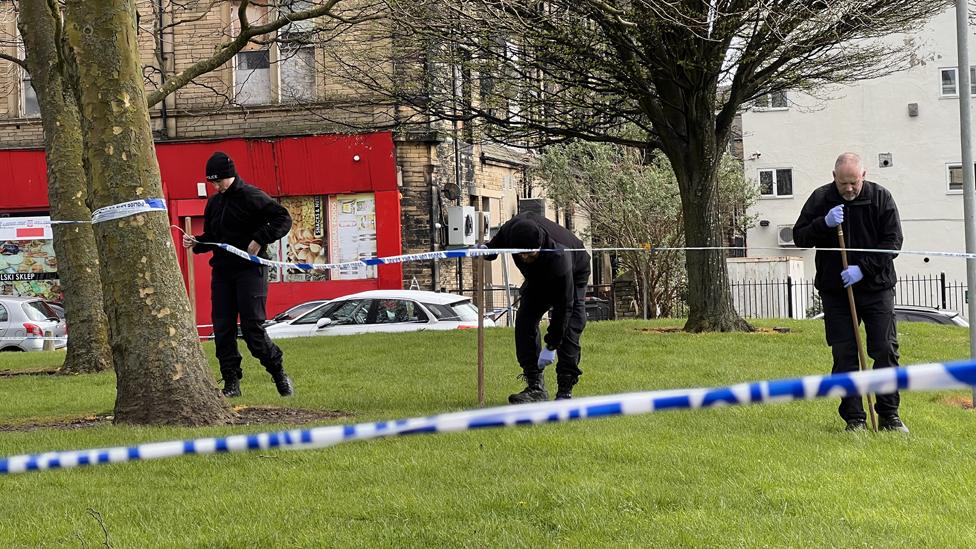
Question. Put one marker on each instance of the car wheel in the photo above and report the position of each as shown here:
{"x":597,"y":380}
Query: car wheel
{"x":11,"y":350}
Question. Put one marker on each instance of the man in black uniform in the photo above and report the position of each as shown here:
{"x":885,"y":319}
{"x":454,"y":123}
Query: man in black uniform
{"x":244,"y":217}
{"x":553,"y":280}
{"x":870,"y":220}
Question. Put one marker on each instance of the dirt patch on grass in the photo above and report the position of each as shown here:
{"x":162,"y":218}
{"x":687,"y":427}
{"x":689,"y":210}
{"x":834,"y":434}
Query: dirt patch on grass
{"x":679,"y":330}
{"x":959,"y":401}
{"x":246,"y":415}
{"x":29,"y":372}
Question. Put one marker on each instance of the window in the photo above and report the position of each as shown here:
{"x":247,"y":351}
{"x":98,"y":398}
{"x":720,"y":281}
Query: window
{"x":774,"y":100}
{"x":459,"y":311}
{"x":950,"y":81}
{"x":776,"y":182}
{"x":343,"y":312}
{"x":955,"y":178}
{"x":252,"y":77}
{"x":29,"y":104}
{"x":3,"y":314}
{"x":297,"y":68}
{"x":391,"y":311}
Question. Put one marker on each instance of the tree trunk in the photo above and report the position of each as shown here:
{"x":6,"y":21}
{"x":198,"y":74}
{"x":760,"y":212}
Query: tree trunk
{"x":709,"y":296}
{"x":163,"y":377}
{"x":74,"y":245}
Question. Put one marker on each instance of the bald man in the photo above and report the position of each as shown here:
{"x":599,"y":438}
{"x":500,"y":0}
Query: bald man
{"x":870,"y":220}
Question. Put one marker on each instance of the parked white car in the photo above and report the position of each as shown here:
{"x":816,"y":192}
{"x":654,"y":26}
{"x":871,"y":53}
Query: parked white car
{"x":294,"y":312}
{"x":24,"y":321}
{"x":383,"y":311}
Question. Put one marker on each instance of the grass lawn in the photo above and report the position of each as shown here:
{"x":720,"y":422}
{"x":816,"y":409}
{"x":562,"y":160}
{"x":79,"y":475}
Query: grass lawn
{"x":776,"y":475}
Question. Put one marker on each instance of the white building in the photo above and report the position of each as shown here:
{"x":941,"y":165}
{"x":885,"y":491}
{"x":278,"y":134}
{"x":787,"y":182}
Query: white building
{"x":906,"y":128}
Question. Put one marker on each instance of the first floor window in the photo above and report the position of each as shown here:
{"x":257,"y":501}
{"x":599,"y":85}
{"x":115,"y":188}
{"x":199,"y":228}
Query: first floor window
{"x":774,"y":100}
{"x":776,"y":182}
{"x":252,"y":77}
{"x":955,"y":178}
{"x":949,"y":79}
{"x":29,"y":105}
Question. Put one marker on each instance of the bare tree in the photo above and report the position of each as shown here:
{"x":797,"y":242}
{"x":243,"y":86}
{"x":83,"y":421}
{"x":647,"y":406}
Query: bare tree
{"x":628,"y":196}
{"x":533,"y":72}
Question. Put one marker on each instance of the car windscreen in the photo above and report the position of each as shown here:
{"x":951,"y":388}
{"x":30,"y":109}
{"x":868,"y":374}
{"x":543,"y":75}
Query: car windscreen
{"x":459,"y":311}
{"x":38,"y":310}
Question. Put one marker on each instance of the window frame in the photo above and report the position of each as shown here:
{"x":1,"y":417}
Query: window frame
{"x":949,"y":167}
{"x":775,"y":194}
{"x":955,"y":81}
{"x":768,"y":99}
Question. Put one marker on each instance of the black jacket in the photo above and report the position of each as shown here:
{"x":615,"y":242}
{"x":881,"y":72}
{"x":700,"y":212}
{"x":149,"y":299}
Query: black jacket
{"x":553,"y":274}
{"x":237,"y":216}
{"x":870,"y":221}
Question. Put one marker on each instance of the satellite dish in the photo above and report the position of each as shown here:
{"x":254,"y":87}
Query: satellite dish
{"x":451,"y":191}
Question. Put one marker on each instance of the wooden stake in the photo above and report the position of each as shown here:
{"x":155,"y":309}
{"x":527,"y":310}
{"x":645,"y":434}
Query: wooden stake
{"x":190,"y":286}
{"x":862,"y":361}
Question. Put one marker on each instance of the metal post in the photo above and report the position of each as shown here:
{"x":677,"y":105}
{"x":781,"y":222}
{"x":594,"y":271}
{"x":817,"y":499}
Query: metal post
{"x":968,"y":176}
{"x":479,"y":295}
{"x":942,"y":284}
{"x":789,"y":296}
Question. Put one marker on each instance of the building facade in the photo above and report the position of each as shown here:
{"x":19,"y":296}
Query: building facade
{"x":905,"y":126}
{"x":288,"y":86}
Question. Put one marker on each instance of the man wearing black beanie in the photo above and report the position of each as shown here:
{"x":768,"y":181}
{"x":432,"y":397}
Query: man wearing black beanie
{"x":553,"y":280}
{"x":248,"y":219}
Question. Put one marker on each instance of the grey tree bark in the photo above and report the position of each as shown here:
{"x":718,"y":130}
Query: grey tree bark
{"x":74,"y":245}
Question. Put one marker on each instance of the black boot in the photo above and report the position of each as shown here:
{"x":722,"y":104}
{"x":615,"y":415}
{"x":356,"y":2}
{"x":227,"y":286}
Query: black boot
{"x":566,"y":384}
{"x":232,"y":386}
{"x":535,"y":390}
{"x":282,"y":383}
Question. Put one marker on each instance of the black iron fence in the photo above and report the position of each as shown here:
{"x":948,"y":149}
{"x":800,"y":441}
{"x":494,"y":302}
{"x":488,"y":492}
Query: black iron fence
{"x":773,"y":298}
{"x":798,"y":299}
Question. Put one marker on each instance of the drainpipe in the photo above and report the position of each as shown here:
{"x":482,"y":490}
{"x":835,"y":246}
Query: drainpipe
{"x":164,"y":20}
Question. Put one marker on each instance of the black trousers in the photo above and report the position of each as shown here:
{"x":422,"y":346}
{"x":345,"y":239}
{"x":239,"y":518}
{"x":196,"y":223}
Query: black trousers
{"x":532,"y":307}
{"x":241,"y":292}
{"x":876,"y":311}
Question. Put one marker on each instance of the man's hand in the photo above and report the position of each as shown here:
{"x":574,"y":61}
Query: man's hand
{"x":189,"y":241}
{"x":835,"y":216}
{"x":546,"y":357}
{"x":851,"y":275}
{"x":253,"y":248}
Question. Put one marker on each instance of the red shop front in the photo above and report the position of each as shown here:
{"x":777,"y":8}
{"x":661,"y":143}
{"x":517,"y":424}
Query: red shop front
{"x":340,"y":190}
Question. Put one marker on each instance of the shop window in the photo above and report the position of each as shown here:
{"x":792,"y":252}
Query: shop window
{"x":28,"y":265}
{"x":327,"y":229}
{"x":307,"y":242}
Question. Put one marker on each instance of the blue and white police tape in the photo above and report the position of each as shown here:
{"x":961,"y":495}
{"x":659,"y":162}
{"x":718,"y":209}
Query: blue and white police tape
{"x":369,"y":261}
{"x":108,"y":213}
{"x":126,"y":209}
{"x":924,"y":377}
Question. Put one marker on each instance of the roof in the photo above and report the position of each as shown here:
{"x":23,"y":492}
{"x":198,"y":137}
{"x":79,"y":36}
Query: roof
{"x":437,"y":298}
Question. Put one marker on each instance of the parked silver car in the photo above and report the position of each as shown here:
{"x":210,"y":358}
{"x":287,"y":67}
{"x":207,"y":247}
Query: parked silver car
{"x":24,"y":321}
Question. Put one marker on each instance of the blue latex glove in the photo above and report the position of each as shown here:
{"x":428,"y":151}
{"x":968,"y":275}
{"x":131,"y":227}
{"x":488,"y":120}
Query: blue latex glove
{"x":835,"y":216}
{"x":546,"y":357}
{"x":851,"y":275}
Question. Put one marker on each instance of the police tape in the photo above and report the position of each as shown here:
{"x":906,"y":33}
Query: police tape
{"x":925,"y":377}
{"x":108,"y":213}
{"x":481,"y":252}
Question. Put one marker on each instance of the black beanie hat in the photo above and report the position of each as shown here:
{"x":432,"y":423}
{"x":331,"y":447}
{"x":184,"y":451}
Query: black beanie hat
{"x":525,"y":234}
{"x":220,"y":166}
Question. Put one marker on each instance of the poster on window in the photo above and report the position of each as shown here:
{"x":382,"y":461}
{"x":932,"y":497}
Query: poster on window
{"x":28,"y":265}
{"x":352,"y":226}
{"x":307,"y":242}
